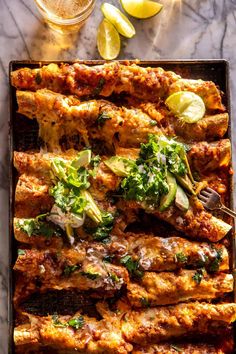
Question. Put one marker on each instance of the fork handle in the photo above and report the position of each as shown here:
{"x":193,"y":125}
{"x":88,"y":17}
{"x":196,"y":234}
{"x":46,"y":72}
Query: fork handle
{"x":228,"y":211}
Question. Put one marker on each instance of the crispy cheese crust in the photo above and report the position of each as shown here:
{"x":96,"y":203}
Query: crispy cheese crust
{"x":114,"y":332}
{"x":60,"y":116}
{"x":170,"y":288}
{"x":145,"y":83}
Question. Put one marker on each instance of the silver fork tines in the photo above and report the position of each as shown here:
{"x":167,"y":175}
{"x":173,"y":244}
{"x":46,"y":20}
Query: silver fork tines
{"x":211,"y":200}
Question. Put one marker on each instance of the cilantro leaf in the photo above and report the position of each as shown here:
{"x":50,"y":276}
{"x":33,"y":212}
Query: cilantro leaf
{"x":99,"y":87}
{"x":132,"y":266}
{"x":108,"y":259}
{"x":215,"y":264}
{"x":198,"y":276}
{"x":102,"y":231}
{"x":38,"y":78}
{"x":144,"y":302}
{"x":57,"y":322}
{"x":181,"y":257}
{"x":68,"y":199}
{"x":39,"y":227}
{"x":70,"y":269}
{"x":153,"y":122}
{"x":102,"y":118}
{"x":77,"y":322}
{"x":114,"y":278}
{"x":95,"y":161}
{"x":91,"y":275}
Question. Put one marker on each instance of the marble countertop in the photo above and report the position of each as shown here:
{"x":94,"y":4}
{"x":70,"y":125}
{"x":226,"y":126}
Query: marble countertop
{"x":184,"y":29}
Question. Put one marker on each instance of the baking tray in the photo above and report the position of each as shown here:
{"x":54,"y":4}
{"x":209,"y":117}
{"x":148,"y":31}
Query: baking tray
{"x":25,"y":137}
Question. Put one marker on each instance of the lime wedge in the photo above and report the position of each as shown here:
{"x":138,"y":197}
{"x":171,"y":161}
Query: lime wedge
{"x":141,"y":8}
{"x":108,"y":40}
{"x":118,"y":19}
{"x":186,"y":105}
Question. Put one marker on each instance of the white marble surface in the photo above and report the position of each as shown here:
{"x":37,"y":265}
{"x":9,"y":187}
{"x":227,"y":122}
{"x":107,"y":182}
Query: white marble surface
{"x":184,"y":29}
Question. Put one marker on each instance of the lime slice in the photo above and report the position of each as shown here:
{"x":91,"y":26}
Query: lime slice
{"x":141,"y":8}
{"x":186,"y":105}
{"x":118,"y":19}
{"x":108,"y":40}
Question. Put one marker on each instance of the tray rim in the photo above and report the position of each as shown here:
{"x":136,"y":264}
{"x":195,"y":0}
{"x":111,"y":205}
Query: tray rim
{"x":93,"y":62}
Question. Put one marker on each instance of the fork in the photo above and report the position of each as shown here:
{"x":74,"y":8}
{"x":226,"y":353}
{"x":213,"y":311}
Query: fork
{"x":211,"y":200}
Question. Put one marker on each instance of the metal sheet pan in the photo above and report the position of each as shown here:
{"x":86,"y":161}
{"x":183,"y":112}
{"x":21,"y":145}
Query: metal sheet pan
{"x":24,"y":137}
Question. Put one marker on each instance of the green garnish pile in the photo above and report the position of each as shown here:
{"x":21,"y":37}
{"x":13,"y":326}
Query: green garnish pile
{"x":70,"y":179}
{"x":70,"y":191}
{"x":146,"y":181}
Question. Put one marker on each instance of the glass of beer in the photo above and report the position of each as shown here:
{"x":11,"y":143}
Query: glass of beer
{"x":65,"y":16}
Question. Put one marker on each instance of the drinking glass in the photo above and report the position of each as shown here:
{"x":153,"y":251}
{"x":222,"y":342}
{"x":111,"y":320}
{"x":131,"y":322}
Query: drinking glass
{"x":65,"y":16}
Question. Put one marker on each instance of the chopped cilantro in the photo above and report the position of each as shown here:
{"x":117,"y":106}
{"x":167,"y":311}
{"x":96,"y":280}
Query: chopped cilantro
{"x":99,"y":87}
{"x":57,"y":322}
{"x":104,"y":228}
{"x":38,"y":78}
{"x":196,"y":176}
{"x":70,"y":269}
{"x":102,"y":231}
{"x":102,"y":118}
{"x":215,"y":264}
{"x":146,"y":181}
{"x":105,"y":241}
{"x":108,"y":259}
{"x":153,"y":122}
{"x":77,"y":322}
{"x":91,"y":275}
{"x":114,"y":278}
{"x":152,"y":318}
{"x":68,"y":199}
{"x":202,"y":261}
{"x":144,"y":302}
{"x":21,"y":252}
{"x":70,"y":189}
{"x":131,"y":266}
{"x":181,"y":258}
{"x":27,"y":225}
{"x":95,"y":161}
{"x":39,"y":227}
{"x":198,"y":276}
{"x":71,"y":173}
{"x":163,"y":151}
